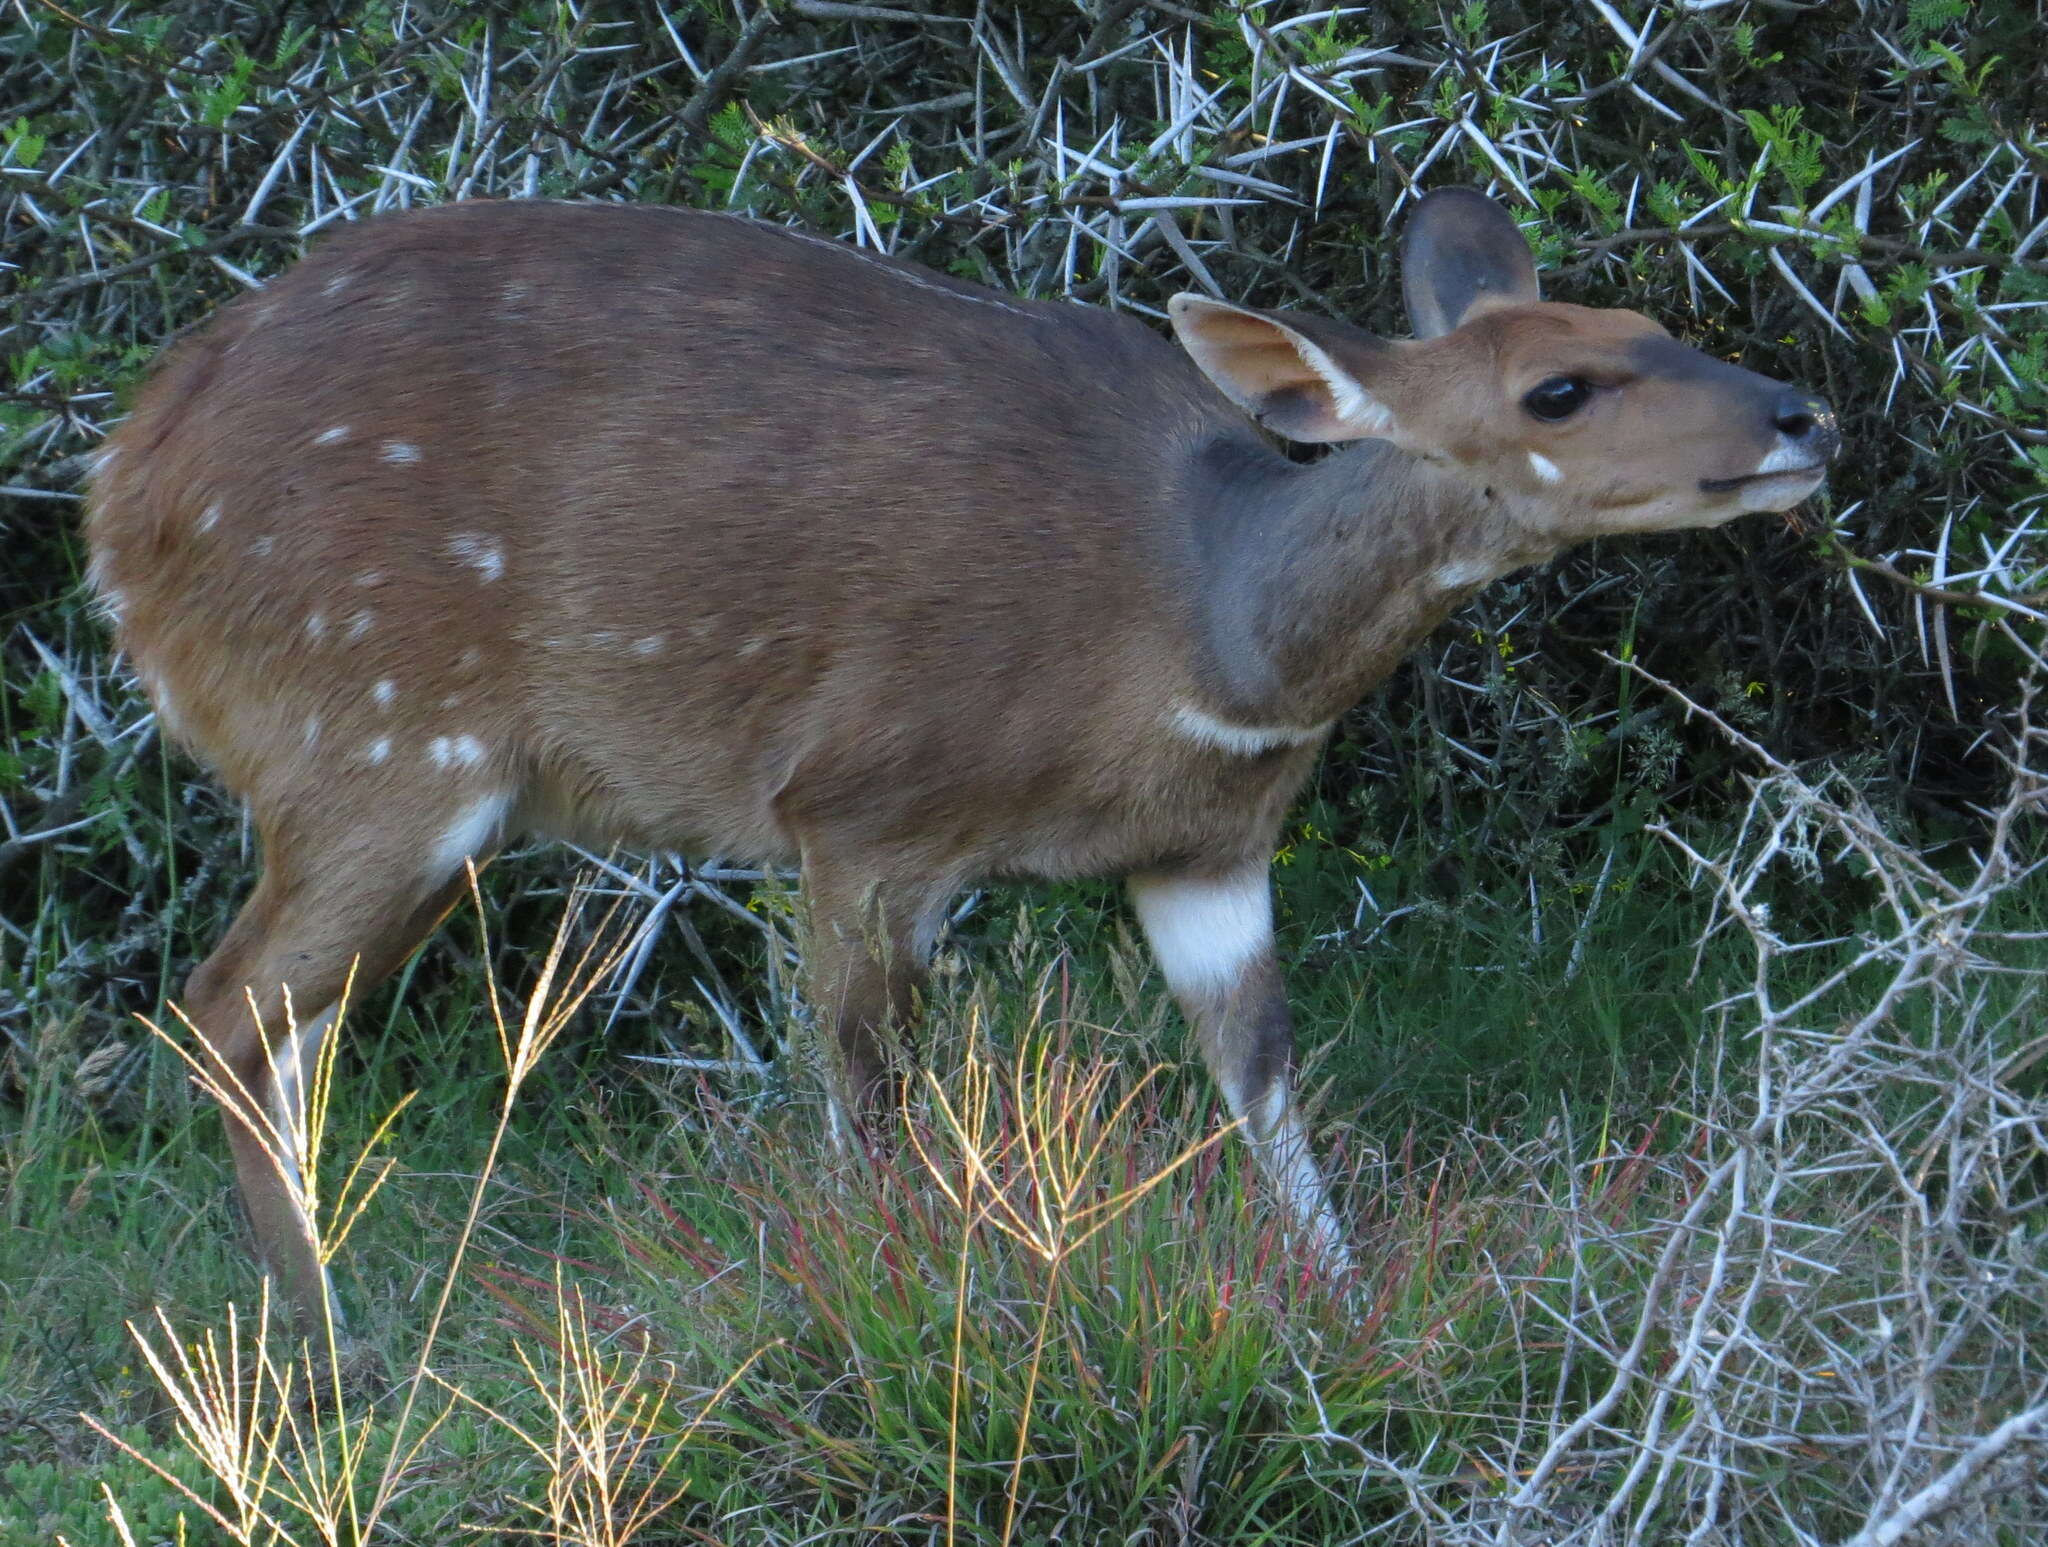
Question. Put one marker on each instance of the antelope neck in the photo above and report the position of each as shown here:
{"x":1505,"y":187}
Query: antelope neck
{"x":1314,"y":581}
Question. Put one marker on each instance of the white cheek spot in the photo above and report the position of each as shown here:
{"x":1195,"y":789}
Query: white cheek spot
{"x":648,"y":644}
{"x":400,"y":451}
{"x":1546,"y":471}
{"x":1205,"y":932}
{"x":359,"y":625}
{"x":384,"y":692}
{"x":209,"y":518}
{"x":455,"y":751}
{"x":379,"y":750}
{"x":316,"y":624}
{"x":332,"y":436}
{"x":312,"y":729}
{"x":482,"y":554}
{"x":1245,"y":740}
{"x":261,"y":547}
{"x":478,"y":830}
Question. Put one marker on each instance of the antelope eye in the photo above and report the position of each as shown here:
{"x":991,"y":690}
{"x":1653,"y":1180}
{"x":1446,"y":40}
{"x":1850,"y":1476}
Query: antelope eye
{"x":1558,"y":398}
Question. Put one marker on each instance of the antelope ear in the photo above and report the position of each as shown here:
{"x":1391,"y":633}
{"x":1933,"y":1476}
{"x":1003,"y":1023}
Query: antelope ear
{"x":1305,"y":388}
{"x":1460,"y":250}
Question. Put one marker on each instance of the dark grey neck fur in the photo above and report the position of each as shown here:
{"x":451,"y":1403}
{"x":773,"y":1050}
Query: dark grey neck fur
{"x":1315,"y":581}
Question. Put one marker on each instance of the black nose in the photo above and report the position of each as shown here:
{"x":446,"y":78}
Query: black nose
{"x":1806,"y":418}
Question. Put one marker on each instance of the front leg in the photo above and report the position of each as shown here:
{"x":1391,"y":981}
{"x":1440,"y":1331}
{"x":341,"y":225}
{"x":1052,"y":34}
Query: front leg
{"x":1212,"y":934}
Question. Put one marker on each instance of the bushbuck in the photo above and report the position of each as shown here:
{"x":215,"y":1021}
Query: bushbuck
{"x":678,"y":530}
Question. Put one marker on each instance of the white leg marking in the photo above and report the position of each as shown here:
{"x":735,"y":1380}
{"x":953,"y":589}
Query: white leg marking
{"x":292,"y":1063}
{"x":1281,"y":1143}
{"x":476,"y":831}
{"x":1204,"y":932}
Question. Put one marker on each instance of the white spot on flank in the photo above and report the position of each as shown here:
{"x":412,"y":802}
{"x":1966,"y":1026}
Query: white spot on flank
{"x":316,"y":624}
{"x":312,"y":729}
{"x":400,"y":451}
{"x":1245,"y":740}
{"x":261,"y":547}
{"x":1545,"y":470}
{"x":1205,"y":932}
{"x":359,"y":625}
{"x":603,"y":639}
{"x":648,"y":644}
{"x":379,"y":750}
{"x":479,"y":552}
{"x":336,"y":285}
{"x":476,"y":831}
{"x":370,"y":577}
{"x":333,"y":436}
{"x":209,"y":518}
{"x":384,"y":692}
{"x":469,"y":658}
{"x":450,"y":700}
{"x":455,"y":751}
{"x":752,"y":646}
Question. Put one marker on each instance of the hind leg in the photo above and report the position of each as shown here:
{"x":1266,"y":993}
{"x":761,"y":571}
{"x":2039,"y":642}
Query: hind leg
{"x":866,"y":955}
{"x":358,"y":903}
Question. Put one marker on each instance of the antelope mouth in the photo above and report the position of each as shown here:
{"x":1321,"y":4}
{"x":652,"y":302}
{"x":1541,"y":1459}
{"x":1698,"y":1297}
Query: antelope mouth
{"x":1812,"y":472}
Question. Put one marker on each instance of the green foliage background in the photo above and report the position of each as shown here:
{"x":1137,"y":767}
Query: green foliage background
{"x":1848,"y":196}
